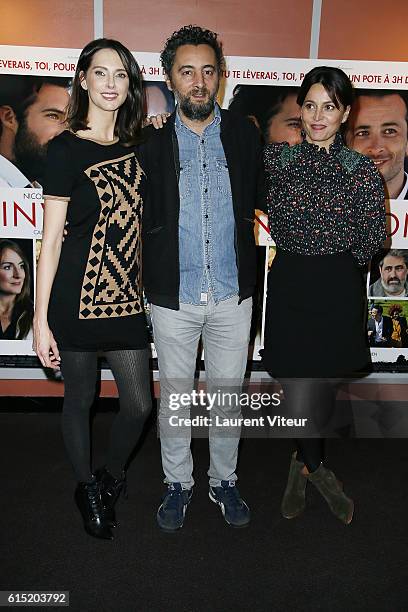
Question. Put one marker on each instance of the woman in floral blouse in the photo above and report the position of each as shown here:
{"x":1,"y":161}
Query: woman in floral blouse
{"x":327,"y":217}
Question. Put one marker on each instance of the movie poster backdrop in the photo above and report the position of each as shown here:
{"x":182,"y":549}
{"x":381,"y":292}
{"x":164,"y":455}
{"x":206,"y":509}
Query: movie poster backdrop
{"x":34,"y":89}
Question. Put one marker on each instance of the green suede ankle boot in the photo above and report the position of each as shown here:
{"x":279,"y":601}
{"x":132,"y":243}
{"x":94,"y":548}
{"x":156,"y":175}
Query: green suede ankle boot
{"x":293,"y":502}
{"x":331,"y":489}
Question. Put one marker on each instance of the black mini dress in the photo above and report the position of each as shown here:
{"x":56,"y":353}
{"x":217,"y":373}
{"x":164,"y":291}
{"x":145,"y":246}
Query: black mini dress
{"x":326,"y":212}
{"x":96,"y":298}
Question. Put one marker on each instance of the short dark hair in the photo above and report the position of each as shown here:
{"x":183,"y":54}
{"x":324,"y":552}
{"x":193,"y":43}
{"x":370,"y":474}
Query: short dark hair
{"x":129,"y":119}
{"x":190,"y":35}
{"x":36,"y":84}
{"x":261,"y":101}
{"x":336,"y":83}
{"x":20,"y":91}
{"x":382,"y":93}
{"x":377,"y":307}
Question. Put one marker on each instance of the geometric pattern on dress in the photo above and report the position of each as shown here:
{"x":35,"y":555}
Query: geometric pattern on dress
{"x":111,"y":285}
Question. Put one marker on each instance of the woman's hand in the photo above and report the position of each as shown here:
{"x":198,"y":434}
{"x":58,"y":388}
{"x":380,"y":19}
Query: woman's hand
{"x":55,"y":213}
{"x":45,"y":346}
{"x":157,"y":121}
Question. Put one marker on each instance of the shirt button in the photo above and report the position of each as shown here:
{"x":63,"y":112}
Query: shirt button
{"x":202,"y":142}
{"x":208,"y":267}
{"x":204,"y":165}
{"x":205,"y":190}
{"x":207,"y":241}
{"x":206,"y":216}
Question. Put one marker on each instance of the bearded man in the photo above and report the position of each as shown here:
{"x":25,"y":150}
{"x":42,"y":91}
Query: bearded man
{"x":393,"y":276}
{"x":199,"y":265}
{"x":32,"y":112}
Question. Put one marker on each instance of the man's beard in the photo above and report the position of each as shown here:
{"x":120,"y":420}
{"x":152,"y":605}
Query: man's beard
{"x":196,"y":111}
{"x":29,"y":154}
{"x":394,"y":289}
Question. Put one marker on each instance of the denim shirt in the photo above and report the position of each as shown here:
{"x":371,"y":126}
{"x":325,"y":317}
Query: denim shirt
{"x":206,"y":222}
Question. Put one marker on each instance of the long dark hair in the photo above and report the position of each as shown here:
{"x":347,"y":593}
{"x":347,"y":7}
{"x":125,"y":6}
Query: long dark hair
{"x":23,"y":306}
{"x":128,"y":127}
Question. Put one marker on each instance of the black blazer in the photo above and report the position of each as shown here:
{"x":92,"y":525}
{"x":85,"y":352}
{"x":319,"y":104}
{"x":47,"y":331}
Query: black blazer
{"x":387,"y":330}
{"x":160,"y":160}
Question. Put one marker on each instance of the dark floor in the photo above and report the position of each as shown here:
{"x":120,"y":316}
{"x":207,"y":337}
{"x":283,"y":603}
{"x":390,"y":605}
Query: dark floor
{"x":311,"y":563}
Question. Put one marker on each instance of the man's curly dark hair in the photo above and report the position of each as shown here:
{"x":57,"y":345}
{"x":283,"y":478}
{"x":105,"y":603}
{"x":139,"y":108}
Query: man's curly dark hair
{"x":190,"y":35}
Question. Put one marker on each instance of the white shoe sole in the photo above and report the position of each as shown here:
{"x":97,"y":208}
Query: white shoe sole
{"x":222,"y":506}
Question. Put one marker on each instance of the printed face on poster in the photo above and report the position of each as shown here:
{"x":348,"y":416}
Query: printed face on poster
{"x":34,"y":92}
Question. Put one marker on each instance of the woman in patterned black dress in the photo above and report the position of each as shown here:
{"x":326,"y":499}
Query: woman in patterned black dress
{"x":327,"y":217}
{"x":89,"y":285}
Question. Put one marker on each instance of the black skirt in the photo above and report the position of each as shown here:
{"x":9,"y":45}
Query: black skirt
{"x":315,"y":317}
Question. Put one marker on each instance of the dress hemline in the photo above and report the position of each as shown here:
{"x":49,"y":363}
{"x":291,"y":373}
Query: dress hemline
{"x":84,"y":349}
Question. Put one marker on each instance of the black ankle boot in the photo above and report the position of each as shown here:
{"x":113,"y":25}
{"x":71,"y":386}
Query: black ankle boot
{"x":89,"y":502}
{"x":111,"y":488}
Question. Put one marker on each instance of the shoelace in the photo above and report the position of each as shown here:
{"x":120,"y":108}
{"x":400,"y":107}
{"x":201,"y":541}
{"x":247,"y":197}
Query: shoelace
{"x":232,"y":495}
{"x":94,"y":496}
{"x":173,"y":499}
{"x":118,"y":487}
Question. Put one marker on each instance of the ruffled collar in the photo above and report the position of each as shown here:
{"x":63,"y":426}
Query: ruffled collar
{"x":335,"y":147}
{"x":306,"y":150}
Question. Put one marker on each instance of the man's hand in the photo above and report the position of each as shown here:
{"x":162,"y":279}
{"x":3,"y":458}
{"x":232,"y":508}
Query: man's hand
{"x":157,"y":121}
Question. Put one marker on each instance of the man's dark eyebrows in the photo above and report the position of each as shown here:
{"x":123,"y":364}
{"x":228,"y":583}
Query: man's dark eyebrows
{"x":290,"y":119}
{"x":385,"y":124}
{"x":52,"y":110}
{"x":360,"y":126}
{"x":193,"y":67}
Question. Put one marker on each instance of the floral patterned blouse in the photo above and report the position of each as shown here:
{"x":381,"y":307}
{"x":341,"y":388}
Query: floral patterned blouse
{"x":324,"y":202}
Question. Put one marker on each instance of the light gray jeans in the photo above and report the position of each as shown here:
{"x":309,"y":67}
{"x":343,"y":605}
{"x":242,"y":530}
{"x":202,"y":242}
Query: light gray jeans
{"x":225,"y":334}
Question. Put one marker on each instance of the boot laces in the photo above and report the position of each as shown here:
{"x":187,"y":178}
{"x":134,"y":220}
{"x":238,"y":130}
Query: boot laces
{"x":94,"y":496}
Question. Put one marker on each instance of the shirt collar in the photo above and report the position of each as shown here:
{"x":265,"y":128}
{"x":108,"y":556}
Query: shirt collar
{"x":403,"y":193}
{"x":11,"y":175}
{"x":335,"y":146}
{"x":215,"y":122}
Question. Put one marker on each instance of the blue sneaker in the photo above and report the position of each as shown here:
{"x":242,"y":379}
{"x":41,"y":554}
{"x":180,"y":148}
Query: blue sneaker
{"x":171,"y":512}
{"x":234,"y":509}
